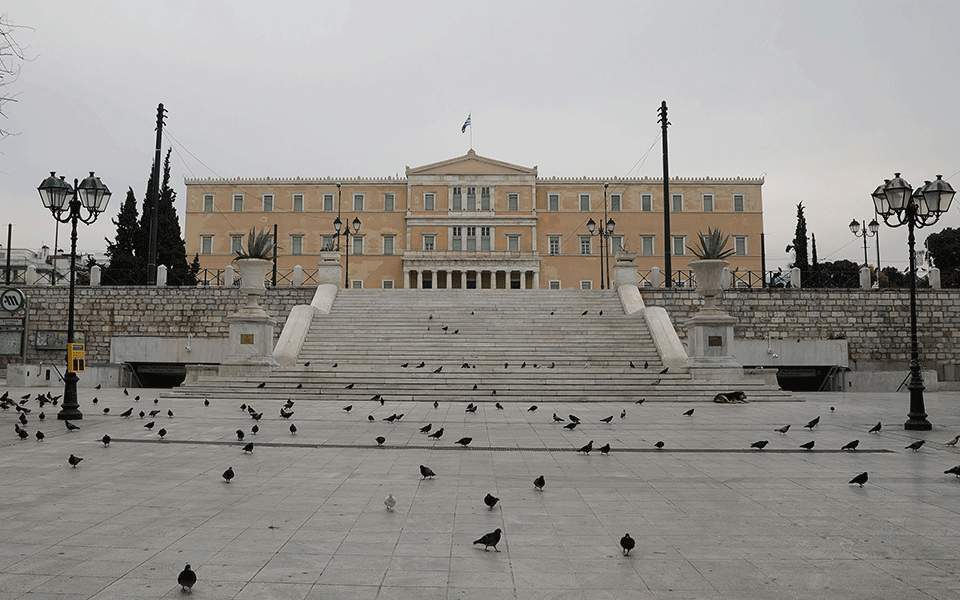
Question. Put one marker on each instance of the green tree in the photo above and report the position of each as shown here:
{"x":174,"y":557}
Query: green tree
{"x":125,"y":267}
{"x":171,"y":249}
{"x":944,"y":250}
{"x":814,"y":264}
{"x":799,"y":245}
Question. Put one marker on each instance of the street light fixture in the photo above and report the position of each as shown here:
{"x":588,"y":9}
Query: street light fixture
{"x":899,"y":204}
{"x":92,"y":196}
{"x":346,"y":232}
{"x":604,"y":230}
{"x":865,"y":231}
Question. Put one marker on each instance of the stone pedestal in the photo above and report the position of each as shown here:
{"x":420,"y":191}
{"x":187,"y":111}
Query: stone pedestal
{"x":250,"y":343}
{"x":865,"y":279}
{"x":328,"y":270}
{"x":710,"y":330}
{"x":624,"y":270}
{"x":934,"y":278}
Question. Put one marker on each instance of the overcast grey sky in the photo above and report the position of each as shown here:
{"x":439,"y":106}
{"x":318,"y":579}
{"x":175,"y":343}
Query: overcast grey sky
{"x":824,"y":98}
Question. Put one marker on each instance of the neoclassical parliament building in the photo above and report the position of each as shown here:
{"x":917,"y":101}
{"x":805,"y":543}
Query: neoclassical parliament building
{"x":473,"y":222}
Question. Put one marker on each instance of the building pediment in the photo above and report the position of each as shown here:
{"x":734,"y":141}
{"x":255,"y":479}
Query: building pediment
{"x":471,"y":163}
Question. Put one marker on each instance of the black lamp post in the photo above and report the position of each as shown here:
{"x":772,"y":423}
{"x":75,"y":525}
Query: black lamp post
{"x":604,"y":231}
{"x":899,"y":204}
{"x":347,"y":234}
{"x":92,"y":196}
{"x":865,"y":231}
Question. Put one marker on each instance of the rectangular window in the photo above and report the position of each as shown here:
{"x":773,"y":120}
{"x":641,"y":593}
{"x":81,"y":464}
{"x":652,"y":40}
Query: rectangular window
{"x":513,"y":202}
{"x":206,"y":244}
{"x":553,"y":244}
{"x":554,"y":284}
{"x":429,"y":201}
{"x":484,"y":198}
{"x":708,"y":203}
{"x":429,"y":242}
{"x":236,"y":243}
{"x":457,"y":199}
{"x":329,"y":242}
{"x":677,"y":203}
{"x":740,"y":245}
{"x":357,"y":245}
{"x":679,"y":245}
{"x":616,"y":245}
{"x":586,"y":284}
{"x":389,"y":202}
{"x":267,"y":202}
{"x":585,"y":245}
{"x":296,"y":245}
{"x":513,"y":243}
{"x":485,"y":239}
{"x":388,"y":245}
{"x":358,"y":202}
{"x":553,"y":202}
{"x":646,"y":202}
{"x":328,"y":202}
{"x":298,"y":203}
{"x":646,"y":245}
{"x":471,"y":198}
{"x":615,"y":201}
{"x":238,"y":203}
{"x":387,"y":284}
{"x":456,"y":239}
{"x":357,"y":284}
{"x":584,"y":202}
{"x":471,"y":239}
{"x":738,"y":202}
{"x":208,"y":203}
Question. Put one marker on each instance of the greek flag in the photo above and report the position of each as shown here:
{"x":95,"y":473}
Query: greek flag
{"x":466,"y":124}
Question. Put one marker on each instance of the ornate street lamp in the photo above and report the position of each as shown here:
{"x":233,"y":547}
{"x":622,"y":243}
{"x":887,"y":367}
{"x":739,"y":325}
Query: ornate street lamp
{"x":866,"y":231}
{"x":347,"y":234}
{"x":604,"y":230}
{"x":92,"y":196}
{"x":899,"y":204}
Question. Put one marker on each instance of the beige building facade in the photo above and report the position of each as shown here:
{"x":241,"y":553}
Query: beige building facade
{"x":474,"y":222}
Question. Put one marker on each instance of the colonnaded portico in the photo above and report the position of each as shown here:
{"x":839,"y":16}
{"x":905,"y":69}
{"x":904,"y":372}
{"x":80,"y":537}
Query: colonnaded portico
{"x":456,"y":270}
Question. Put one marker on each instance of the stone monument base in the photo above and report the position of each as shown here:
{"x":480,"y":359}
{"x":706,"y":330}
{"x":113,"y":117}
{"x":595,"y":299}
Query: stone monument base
{"x":709,"y":335}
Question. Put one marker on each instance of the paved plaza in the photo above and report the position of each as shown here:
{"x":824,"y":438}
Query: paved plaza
{"x":304,"y":517}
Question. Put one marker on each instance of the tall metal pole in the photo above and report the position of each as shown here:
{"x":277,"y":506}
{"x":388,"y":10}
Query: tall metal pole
{"x":273,"y":280}
{"x":917,"y":417}
{"x":667,"y":263}
{"x":70,"y":408}
{"x":153,"y":201}
{"x":865,"y":245}
{"x":877,"y":235}
{"x":605,"y":240}
{"x":346,"y":270}
{"x":56,"y":240}
{"x":9,"y":237}
{"x":763,"y":261}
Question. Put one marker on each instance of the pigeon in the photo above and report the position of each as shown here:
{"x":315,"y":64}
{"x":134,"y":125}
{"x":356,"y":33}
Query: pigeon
{"x":206,"y":402}
{"x":347,"y":408}
{"x":876,"y":428}
{"x":859,"y":479}
{"x":169,"y":414}
{"x":627,"y":543}
{"x":506,"y":365}
{"x":426,"y":471}
{"x":493,"y":392}
{"x":248,"y":448}
{"x":23,"y":419}
{"x":851,"y":446}
{"x":293,"y":429}
{"x":533,"y":408}
{"x":106,"y":440}
{"x":951,"y":471}
{"x":812,"y":423}
{"x":262,"y":385}
{"x":405,"y":365}
{"x":490,"y":500}
{"x":464,"y":441}
{"x":391,"y":418}
{"x":808,"y":445}
{"x":380,"y":440}
{"x":349,"y":386}
{"x":445,"y":327}
{"x":833,"y":408}
{"x":783,"y":430}
{"x":760,"y":445}
{"x":286,"y":415}
{"x":228,"y":474}
{"x":915,"y":446}
{"x":605,"y":449}
{"x":472,"y":408}
{"x":149,"y":425}
{"x":375,"y":397}
{"x":436,"y":434}
{"x":98,"y":386}
{"x":623,"y":413}
{"x":333,"y":366}
{"x":95,"y":400}
{"x":640,"y":401}
{"x":474,"y":386}
{"x":142,"y":414}
{"x":421,"y":365}
{"x":646,"y":364}
{"x":539,"y":482}
{"x":438,"y":369}
{"x":426,"y":428}
{"x":240,"y":435}
{"x":306,"y":364}
{"x":558,"y":419}
{"x":586,"y":448}
{"x":390,"y":502}
{"x":632,"y":366}
{"x":663,"y":371}
{"x":601,"y":312}
{"x":255,"y":429}
{"x":570,"y":426}
{"x":490,"y":539}
{"x":953,"y":442}
{"x":688,"y":413}
{"x":70,"y":426}
{"x":154,"y":413}
{"x":523,"y":365}
{"x":584,"y":313}
{"x":574,"y":418}
{"x":23,"y":434}
{"x":552,"y":365}
{"x":498,"y":405}
{"x":258,"y":416}
{"x":186,"y":579}
{"x":125,"y":392}
{"x":243,"y":407}
{"x":40,"y":436}
{"x":436,"y":404}
{"x":369,"y":417}
{"x":162,"y":432}
{"x":659,"y":445}
{"x":74,"y":461}
{"x":607,"y":419}
{"x":127,"y":412}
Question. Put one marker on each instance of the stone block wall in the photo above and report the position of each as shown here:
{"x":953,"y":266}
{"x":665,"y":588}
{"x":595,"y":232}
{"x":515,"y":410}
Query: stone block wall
{"x":876,"y":323}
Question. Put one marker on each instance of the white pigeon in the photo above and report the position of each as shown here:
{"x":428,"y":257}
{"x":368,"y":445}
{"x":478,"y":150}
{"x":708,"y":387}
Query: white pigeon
{"x":390,"y":502}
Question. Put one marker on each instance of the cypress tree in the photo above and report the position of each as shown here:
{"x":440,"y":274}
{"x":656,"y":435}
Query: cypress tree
{"x":125,"y":267}
{"x":171,"y":249}
{"x":813,"y":252}
{"x":800,"y":242}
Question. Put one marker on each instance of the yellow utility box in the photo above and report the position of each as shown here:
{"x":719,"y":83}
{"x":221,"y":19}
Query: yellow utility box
{"x":76,"y":358}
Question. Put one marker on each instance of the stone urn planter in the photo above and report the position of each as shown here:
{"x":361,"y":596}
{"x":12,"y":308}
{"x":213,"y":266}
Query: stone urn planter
{"x":708,"y":274}
{"x":253,"y":273}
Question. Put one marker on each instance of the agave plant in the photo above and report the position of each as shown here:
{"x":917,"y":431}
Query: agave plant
{"x":259,"y":245}
{"x":712,"y":246}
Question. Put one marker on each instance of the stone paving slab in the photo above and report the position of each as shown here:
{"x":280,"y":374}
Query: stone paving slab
{"x":304,"y":517}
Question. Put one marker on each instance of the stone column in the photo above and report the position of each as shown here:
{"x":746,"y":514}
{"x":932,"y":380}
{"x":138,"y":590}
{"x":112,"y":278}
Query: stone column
{"x":536,"y":280}
{"x":419,"y":279}
{"x":655,"y":277}
{"x":328,"y":270}
{"x":934,"y":278}
{"x":229,"y":276}
{"x":463,"y":279}
{"x":161,"y":275}
{"x":624,"y":270}
{"x":726,"y":278}
{"x":298,"y":276}
{"x":95,"y":276}
{"x":523,"y":279}
{"x":795,"y":277}
{"x":865,"y":282}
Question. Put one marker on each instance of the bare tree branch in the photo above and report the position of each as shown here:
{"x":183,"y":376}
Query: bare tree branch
{"x":12,"y":55}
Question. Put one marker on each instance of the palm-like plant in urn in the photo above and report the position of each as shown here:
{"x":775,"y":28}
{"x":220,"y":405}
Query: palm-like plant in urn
{"x":711,"y":252}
